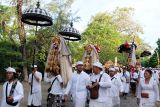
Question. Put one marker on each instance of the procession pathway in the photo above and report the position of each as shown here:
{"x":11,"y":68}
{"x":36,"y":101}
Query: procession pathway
{"x":129,"y":102}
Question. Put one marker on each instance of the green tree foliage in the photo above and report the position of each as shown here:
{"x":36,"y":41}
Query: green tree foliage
{"x":10,"y":56}
{"x":9,"y":46}
{"x":153,"y":62}
{"x":77,"y":50}
{"x":102,"y":31}
{"x":7,"y":22}
{"x":109,"y":30}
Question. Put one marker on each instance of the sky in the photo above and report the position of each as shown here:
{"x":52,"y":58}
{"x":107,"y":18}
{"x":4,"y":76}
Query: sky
{"x":147,"y":14}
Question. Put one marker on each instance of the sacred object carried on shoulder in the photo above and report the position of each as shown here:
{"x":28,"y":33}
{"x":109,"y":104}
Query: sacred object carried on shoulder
{"x":53,"y":57}
{"x":87,"y":63}
{"x":90,"y":56}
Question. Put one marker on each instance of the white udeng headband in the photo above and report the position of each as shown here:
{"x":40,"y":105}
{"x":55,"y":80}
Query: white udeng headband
{"x":10,"y":69}
{"x":79,"y":63}
{"x":98,"y":64}
{"x":112,"y":69}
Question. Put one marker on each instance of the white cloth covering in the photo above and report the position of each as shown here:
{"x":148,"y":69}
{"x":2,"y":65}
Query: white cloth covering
{"x":151,"y":89}
{"x":36,"y":97}
{"x":17,"y":96}
{"x":104,"y":91}
{"x":77,"y":87}
{"x":65,"y":61}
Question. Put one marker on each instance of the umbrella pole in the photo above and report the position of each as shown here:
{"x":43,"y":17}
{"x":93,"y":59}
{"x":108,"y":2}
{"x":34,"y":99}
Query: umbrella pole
{"x":34,"y":51}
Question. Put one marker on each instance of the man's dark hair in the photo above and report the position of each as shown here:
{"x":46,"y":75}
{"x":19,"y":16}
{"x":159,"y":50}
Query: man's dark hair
{"x":15,"y":75}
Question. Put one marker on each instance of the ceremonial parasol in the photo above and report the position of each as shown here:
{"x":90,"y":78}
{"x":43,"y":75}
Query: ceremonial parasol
{"x":70,"y":33}
{"x":36,"y":17}
{"x":126,"y":47}
{"x":145,"y":53}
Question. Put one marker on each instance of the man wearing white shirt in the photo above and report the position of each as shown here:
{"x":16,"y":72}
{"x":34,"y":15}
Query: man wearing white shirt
{"x":12,"y":90}
{"x":134,"y":81}
{"x":116,"y":88}
{"x":35,"y":94}
{"x":117,"y":73}
{"x":141,"y":73}
{"x":155,"y":75}
{"x":56,"y":93}
{"x":77,"y":86}
{"x":102,"y":80}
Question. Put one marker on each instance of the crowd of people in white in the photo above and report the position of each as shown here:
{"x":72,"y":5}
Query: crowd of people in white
{"x":101,"y":88}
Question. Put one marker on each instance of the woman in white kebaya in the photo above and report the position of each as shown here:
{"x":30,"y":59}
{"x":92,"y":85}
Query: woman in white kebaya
{"x":147,"y":93}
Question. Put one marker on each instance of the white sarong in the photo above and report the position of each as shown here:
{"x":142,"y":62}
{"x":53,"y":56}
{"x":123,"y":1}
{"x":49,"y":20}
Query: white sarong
{"x":35,"y":99}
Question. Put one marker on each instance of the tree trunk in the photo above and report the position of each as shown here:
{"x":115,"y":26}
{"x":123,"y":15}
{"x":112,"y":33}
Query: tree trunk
{"x":22,"y":37}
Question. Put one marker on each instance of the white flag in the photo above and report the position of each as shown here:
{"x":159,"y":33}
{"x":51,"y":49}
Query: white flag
{"x":115,"y":62}
{"x":133,"y":56}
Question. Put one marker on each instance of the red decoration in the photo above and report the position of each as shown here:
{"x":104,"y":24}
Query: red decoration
{"x":132,"y":68}
{"x":137,"y":63}
{"x":97,"y":48}
{"x":126,"y":45}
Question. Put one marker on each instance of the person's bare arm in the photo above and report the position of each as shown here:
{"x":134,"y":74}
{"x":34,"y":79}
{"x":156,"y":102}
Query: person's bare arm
{"x":38,"y":79}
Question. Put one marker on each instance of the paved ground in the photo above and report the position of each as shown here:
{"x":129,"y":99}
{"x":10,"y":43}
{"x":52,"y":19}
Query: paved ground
{"x":130,"y":102}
